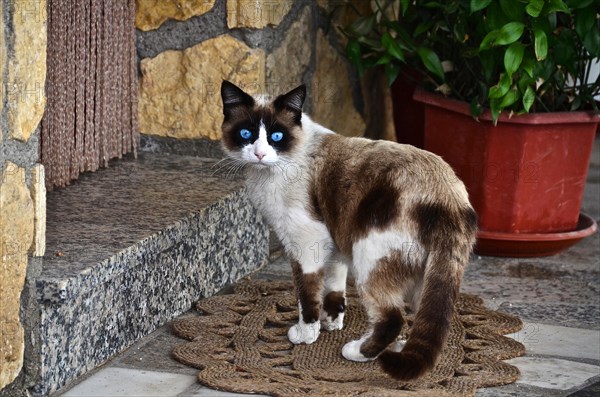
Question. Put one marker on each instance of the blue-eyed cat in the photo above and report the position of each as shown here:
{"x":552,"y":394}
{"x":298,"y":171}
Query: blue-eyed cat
{"x":395,"y":215}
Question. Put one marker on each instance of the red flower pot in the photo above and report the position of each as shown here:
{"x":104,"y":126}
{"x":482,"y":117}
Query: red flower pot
{"x":524,"y":176}
{"x":408,"y":113}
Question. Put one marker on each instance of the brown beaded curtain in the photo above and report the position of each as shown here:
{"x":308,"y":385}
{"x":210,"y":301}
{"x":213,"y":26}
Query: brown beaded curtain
{"x":91,"y":87}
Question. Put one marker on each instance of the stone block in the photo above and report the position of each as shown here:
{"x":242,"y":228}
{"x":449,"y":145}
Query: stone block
{"x":288,"y":63}
{"x":2,"y":59}
{"x":38,"y":194}
{"x":172,"y":230}
{"x":151,"y":14}
{"x":180,"y":90}
{"x":16,"y":233}
{"x":256,"y":13}
{"x":332,"y":92}
{"x":26,"y":68}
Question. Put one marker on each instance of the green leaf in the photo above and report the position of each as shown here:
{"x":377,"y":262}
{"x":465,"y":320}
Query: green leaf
{"x":423,"y":27}
{"x":386,"y":58}
{"x":495,"y":109}
{"x":403,"y":38}
{"x":565,"y":48}
{"x":580,"y":3}
{"x":584,"y":21}
{"x":475,"y":107}
{"x":488,"y":65}
{"x":541,"y":44}
{"x":392,"y":46}
{"x":370,"y":43}
{"x":534,"y":8}
{"x":495,"y":17}
{"x":405,"y":4}
{"x":477,"y":5}
{"x":500,"y":89}
{"x":509,"y":98}
{"x":553,"y":6}
{"x":431,"y":61}
{"x":513,"y":9}
{"x":528,"y":98}
{"x":576,"y":104}
{"x":524,"y":82}
{"x":528,"y":65}
{"x":513,"y":57}
{"x":591,"y":42}
{"x":361,"y":26}
{"x":391,"y":71}
{"x":488,"y":40}
{"x":509,"y":33}
{"x":354,"y":55}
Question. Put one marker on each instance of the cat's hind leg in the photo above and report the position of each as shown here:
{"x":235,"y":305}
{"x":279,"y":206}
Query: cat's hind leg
{"x":382,"y":283}
{"x":334,"y":299}
{"x":385,"y":327}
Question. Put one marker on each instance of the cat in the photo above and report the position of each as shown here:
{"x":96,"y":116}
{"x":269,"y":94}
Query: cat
{"x":397,"y":216}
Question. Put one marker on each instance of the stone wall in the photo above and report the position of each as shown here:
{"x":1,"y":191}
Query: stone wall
{"x":187,"y":47}
{"x":22,"y":192}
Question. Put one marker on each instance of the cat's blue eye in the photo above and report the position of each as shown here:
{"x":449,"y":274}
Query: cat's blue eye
{"x":245,"y":134}
{"x":277,"y":136}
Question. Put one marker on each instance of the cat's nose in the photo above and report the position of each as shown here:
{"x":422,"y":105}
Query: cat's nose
{"x":259,"y":155}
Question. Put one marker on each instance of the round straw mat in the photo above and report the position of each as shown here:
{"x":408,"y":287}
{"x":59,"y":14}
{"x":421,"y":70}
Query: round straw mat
{"x":239,"y":342}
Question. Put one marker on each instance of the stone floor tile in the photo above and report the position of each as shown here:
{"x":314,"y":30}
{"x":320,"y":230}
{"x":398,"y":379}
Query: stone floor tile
{"x":592,"y":390}
{"x":119,"y":382}
{"x":517,"y":390}
{"x":582,"y":315}
{"x":154,"y":352}
{"x":554,"y":340}
{"x":202,"y":391}
{"x":553,"y":373}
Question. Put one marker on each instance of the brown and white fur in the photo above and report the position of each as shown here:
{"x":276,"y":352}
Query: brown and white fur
{"x":397,"y":216}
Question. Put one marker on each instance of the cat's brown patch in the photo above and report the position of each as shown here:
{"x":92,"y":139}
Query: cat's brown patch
{"x":315,"y":209}
{"x":378,"y":208}
{"x":385,"y":331}
{"x":334,"y":303}
{"x":308,"y":290}
{"x":392,"y":275}
{"x":356,"y":192}
{"x":440,"y":225}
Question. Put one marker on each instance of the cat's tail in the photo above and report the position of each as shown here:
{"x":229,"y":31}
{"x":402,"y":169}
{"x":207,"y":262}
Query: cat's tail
{"x":431,"y":326}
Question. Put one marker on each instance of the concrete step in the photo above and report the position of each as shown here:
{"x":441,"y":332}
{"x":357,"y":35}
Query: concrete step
{"x":133,"y":246}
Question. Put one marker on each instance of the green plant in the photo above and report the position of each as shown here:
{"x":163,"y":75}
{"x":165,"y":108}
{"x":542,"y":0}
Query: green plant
{"x":514,"y":56}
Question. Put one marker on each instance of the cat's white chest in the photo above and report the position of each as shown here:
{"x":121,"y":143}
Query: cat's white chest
{"x":283,"y":203}
{"x":272,"y":194}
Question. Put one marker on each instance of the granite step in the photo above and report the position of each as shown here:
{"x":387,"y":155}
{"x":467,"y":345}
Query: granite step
{"x":133,"y":246}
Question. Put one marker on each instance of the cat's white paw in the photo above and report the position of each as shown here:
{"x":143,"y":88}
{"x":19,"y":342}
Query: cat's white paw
{"x":304,"y":333}
{"x":397,"y":346}
{"x":351,"y":351}
{"x":332,"y":325}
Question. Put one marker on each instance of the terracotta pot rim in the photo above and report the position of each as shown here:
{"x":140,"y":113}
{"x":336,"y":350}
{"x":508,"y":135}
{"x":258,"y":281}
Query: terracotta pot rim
{"x":586,"y":226}
{"x":579,"y":117}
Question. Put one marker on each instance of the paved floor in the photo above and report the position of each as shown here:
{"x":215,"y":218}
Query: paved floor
{"x":557,"y":297}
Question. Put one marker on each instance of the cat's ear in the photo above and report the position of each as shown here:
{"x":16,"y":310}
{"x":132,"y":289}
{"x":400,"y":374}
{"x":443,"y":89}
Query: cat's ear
{"x":292,"y":101}
{"x":233,"y":96}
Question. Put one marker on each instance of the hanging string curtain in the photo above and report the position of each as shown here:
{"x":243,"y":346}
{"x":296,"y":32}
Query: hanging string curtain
{"x":91,"y":87}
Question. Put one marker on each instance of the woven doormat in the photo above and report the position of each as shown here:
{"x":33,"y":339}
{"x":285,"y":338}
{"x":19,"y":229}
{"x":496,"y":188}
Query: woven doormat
{"x":239,"y":342}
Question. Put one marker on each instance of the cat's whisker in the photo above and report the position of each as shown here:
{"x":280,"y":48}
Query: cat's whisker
{"x":229,"y":166}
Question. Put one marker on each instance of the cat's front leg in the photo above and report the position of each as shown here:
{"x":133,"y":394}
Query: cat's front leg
{"x":308,"y":290}
{"x":334,"y":300}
